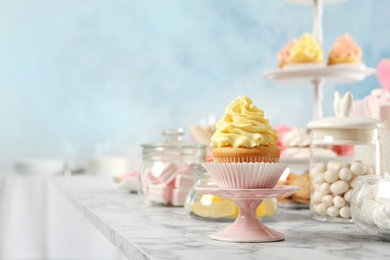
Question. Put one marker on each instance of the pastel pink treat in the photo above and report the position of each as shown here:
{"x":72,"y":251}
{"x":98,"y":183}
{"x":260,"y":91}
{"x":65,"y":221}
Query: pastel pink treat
{"x":282,"y":129}
{"x":179,"y":195}
{"x":133,"y":174}
{"x":345,"y":50}
{"x":183,"y":180}
{"x":359,"y":108}
{"x":159,"y":193}
{"x":167,"y":174}
{"x":383,"y":73}
{"x":284,"y":54}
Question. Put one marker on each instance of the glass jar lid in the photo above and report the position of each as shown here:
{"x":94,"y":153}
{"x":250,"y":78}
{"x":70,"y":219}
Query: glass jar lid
{"x":345,"y":123}
{"x":173,"y":148}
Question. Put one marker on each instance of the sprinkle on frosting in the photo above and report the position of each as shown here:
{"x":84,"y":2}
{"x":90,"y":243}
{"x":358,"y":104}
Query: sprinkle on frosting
{"x":243,"y":125}
{"x":346,"y":48}
{"x":306,"y":50}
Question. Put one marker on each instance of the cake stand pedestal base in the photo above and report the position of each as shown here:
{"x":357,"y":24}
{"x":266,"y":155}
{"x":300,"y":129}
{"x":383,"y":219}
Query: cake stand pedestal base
{"x":247,"y":227}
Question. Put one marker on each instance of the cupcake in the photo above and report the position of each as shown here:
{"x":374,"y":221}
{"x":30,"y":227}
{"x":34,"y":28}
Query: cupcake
{"x":306,"y":52}
{"x":284,"y":54}
{"x":244,"y":149}
{"x":244,"y":135}
{"x":345,"y":51}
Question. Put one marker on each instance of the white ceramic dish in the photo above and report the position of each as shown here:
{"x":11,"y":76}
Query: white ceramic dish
{"x":40,"y":166}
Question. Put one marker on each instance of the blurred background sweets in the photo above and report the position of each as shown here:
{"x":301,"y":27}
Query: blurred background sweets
{"x":115,"y":72}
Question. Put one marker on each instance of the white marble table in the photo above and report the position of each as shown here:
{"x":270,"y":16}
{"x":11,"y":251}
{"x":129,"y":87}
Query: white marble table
{"x":141,"y":231}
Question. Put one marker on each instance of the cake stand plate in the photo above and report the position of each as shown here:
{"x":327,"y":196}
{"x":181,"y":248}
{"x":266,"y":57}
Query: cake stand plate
{"x":310,"y":2}
{"x":330,"y":74}
{"x":247,"y":227}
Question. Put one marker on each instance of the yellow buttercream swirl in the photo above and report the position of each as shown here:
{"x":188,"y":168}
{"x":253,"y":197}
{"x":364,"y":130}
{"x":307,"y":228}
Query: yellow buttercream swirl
{"x":306,"y":50}
{"x":243,"y":125}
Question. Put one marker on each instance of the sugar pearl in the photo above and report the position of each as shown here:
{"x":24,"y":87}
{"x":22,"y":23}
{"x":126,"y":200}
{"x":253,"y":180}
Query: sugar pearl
{"x":358,"y":168}
{"x":327,"y":200}
{"x":329,"y":165}
{"x":321,"y":209}
{"x":336,"y":166}
{"x":333,"y":211}
{"x":348,"y":195}
{"x":339,"y":202}
{"x":353,"y":182}
{"x":316,"y":197}
{"x":319,"y":168}
{"x":318,"y":178}
{"x":345,"y":212}
{"x":339,"y":187}
{"x":345,"y":174}
{"x":346,"y":165}
{"x":324,"y":188}
{"x":331,"y":176}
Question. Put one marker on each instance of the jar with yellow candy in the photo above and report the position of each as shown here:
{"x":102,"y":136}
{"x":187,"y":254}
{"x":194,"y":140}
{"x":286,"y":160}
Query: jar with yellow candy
{"x":213,"y":208}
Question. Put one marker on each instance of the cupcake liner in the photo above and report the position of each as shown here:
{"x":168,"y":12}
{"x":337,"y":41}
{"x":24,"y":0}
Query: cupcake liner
{"x":245,"y":175}
{"x":240,"y":159}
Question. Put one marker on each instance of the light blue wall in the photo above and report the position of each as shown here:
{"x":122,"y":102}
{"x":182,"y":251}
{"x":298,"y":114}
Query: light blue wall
{"x":83,"y":72}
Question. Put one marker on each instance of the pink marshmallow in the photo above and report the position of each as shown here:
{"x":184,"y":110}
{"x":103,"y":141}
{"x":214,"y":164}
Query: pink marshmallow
{"x":159,"y":193}
{"x":167,"y":174}
{"x":184,"y":180}
{"x":359,"y":108}
{"x":179,"y":196}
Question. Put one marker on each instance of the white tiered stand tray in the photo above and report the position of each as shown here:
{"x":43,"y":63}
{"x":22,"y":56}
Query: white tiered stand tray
{"x":330,"y":75}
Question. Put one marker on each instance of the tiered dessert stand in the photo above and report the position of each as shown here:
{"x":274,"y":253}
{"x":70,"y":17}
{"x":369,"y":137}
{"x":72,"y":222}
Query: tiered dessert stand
{"x":247,"y":227}
{"x":319,"y":76}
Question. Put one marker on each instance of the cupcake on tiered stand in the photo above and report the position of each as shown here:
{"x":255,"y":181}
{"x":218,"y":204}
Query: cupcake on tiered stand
{"x":246,"y":169}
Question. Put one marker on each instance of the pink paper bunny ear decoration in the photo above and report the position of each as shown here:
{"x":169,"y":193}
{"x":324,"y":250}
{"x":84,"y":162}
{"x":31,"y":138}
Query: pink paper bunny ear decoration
{"x":383,"y":73}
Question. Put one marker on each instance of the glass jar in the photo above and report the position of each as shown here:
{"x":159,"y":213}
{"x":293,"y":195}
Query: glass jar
{"x":370,"y":205}
{"x":213,"y":208}
{"x":165,"y":173}
{"x":342,"y":148}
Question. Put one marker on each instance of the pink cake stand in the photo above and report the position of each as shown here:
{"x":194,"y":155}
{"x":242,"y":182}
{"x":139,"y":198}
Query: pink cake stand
{"x":248,"y":227}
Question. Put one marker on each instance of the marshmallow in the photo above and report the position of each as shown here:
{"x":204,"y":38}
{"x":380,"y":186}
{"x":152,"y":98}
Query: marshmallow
{"x":366,"y":211}
{"x":179,"y":196}
{"x":381,"y":216}
{"x":184,"y":180}
{"x":159,"y":193}
{"x":166,"y":174}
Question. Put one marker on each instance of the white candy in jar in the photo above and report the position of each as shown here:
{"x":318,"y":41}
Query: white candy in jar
{"x":331,"y":175}
{"x":333,"y":184}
